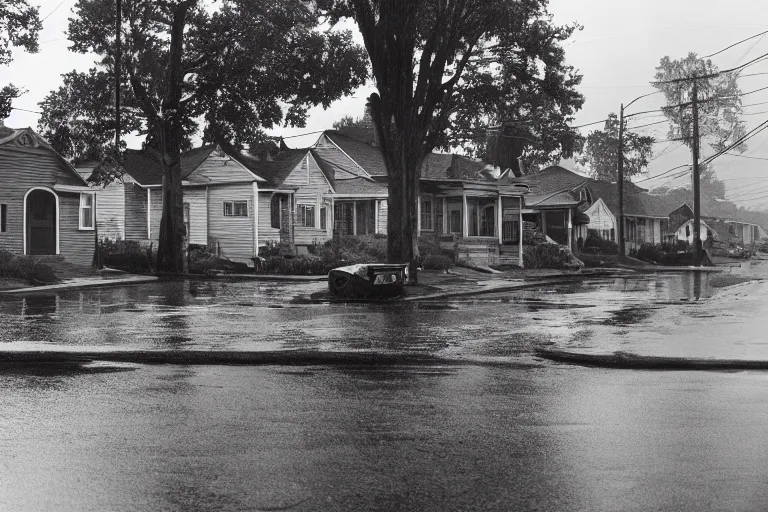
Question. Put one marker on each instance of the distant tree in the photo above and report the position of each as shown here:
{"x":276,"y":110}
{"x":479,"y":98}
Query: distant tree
{"x":421,"y":51}
{"x":719,"y":101}
{"x":600,"y":154}
{"x":19,"y":27}
{"x":347,"y":122}
{"x":78,"y":118}
{"x":232,"y":64}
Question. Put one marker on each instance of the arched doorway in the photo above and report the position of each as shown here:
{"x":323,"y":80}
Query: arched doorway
{"x":40,"y":209}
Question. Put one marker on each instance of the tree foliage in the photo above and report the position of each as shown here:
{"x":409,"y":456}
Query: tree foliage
{"x":524,"y":81}
{"x":19,"y":27}
{"x":600,"y":154}
{"x":719,"y":101}
{"x":421,"y":52}
{"x":232,"y":65}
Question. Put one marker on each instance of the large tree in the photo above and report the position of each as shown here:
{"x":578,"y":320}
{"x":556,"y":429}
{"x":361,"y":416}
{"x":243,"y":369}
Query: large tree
{"x":530,"y":90}
{"x":600,"y":154}
{"x":19,"y":27}
{"x":233,"y":65}
{"x":719,"y":102}
{"x":420,"y":52}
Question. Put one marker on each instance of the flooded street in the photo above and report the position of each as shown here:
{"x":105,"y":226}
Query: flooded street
{"x":493,"y":428}
{"x":660,"y":314}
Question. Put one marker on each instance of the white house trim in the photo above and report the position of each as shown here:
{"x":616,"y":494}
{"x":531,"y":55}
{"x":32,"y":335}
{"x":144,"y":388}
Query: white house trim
{"x":149,"y":214}
{"x":24,"y":218}
{"x":330,"y":186}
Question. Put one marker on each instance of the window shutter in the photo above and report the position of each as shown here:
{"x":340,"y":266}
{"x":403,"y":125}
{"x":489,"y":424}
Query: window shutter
{"x":275,"y":211}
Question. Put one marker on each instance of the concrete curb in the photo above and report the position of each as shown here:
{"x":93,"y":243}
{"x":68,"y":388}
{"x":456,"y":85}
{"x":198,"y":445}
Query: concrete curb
{"x":199,"y":357}
{"x":628,"y":361}
{"x":78,"y":283}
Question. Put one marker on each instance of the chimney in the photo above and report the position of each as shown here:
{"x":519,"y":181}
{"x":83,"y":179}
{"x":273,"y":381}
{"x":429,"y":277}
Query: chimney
{"x":367,"y":123}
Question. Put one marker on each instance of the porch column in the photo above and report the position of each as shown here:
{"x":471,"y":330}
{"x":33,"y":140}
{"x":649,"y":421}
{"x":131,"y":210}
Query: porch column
{"x":255,"y":219}
{"x":499,"y":220}
{"x":418,"y":216}
{"x":446,"y":220}
{"x":354,"y":218}
{"x":375,"y":216}
{"x":149,"y":210}
{"x":570,"y":228}
{"x":464,"y":217}
{"x":543,"y":217}
{"x":520,"y":237}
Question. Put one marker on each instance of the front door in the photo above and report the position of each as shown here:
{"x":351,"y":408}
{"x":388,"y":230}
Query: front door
{"x":41,"y":222}
{"x":285,"y":219}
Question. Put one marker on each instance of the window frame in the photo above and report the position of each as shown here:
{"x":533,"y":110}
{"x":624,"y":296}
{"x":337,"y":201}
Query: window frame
{"x":233,"y":208}
{"x":324,"y":218}
{"x":302,"y":215}
{"x":92,"y":215}
{"x":430,"y":212}
{"x":3,"y":218}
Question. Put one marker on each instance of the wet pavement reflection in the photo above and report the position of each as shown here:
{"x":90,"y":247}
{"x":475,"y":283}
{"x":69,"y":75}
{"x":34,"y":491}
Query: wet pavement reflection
{"x":662,"y":314}
{"x":391,"y":438}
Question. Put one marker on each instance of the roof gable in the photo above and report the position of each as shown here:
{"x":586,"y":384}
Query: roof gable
{"x":27,"y":140}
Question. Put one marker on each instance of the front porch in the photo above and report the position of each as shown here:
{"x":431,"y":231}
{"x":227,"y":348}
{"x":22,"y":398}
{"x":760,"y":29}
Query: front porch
{"x":480,"y":222}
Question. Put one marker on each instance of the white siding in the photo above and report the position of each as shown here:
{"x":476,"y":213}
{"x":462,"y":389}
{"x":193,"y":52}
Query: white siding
{"x":110,"y":211}
{"x":381,"y":227}
{"x":312,"y":187}
{"x":220,"y":169}
{"x":198,"y":223}
{"x":233,"y":236}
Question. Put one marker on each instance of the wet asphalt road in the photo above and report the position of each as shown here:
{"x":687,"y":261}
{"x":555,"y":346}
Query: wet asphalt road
{"x":398,"y":438}
{"x":497,"y":429}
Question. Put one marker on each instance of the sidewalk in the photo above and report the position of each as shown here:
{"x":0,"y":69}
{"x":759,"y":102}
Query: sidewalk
{"x":81,"y":282}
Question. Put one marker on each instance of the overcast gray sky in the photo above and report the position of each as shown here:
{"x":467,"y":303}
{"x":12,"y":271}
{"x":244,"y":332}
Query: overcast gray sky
{"x":617,"y":52}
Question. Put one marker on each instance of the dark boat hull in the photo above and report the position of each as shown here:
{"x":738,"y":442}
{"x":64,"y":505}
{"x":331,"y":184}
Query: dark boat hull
{"x":368,"y":282}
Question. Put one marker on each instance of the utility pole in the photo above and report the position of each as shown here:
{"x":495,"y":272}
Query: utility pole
{"x":696,"y":190}
{"x":620,"y":168}
{"x":118,"y":58}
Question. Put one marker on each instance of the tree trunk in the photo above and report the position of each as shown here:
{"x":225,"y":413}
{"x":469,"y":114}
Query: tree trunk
{"x":171,"y":248}
{"x":402,"y":232}
{"x":172,"y":237}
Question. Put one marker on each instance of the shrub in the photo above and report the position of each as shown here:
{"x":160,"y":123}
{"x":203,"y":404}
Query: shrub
{"x":301,"y":266}
{"x":126,"y":255}
{"x":545,"y":256}
{"x":595,"y":244}
{"x":437,"y":262}
{"x":25,"y":267}
{"x":201,"y":260}
{"x":354,"y":249}
{"x":272,"y":248}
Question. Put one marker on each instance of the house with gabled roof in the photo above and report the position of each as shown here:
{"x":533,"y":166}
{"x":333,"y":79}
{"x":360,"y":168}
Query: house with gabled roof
{"x":646,"y":217}
{"x":459,"y":203}
{"x":46,"y":207}
{"x":233,"y":203}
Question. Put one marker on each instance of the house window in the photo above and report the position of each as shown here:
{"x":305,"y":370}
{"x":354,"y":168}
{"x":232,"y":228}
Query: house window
{"x":323,"y":218}
{"x":306,"y":215}
{"x":3,"y":218}
{"x":426,"y":215}
{"x":687,"y":231}
{"x":87,"y":211}
{"x":235,"y":208}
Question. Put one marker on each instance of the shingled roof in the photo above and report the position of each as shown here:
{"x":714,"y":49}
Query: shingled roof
{"x":367,"y":156}
{"x":276,"y":169}
{"x":145,"y":166}
{"x":637,"y":201}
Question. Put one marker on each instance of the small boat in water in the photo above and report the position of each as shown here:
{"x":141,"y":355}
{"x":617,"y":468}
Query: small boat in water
{"x":373,"y":281}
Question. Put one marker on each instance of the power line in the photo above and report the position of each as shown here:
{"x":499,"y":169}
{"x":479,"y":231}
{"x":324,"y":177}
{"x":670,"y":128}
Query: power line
{"x":25,"y":110}
{"x":53,"y":11}
{"x":747,"y":156}
{"x":734,"y":44}
{"x":712,"y":75}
